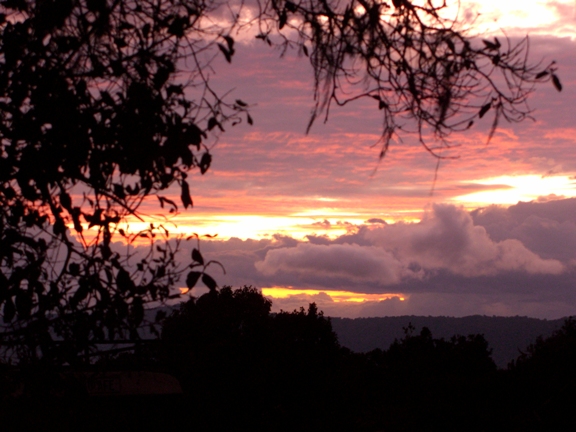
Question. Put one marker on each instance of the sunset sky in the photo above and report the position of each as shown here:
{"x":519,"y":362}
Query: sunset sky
{"x":316,"y":218}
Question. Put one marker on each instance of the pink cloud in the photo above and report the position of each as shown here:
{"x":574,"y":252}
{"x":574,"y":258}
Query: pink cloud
{"x":339,"y":260}
{"x":447,"y":239}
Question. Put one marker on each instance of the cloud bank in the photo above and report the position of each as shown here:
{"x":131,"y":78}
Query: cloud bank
{"x":496,"y":260}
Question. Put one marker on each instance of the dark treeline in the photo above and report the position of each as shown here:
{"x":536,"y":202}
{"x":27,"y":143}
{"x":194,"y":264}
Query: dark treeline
{"x":507,"y":337}
{"x":242,"y":367}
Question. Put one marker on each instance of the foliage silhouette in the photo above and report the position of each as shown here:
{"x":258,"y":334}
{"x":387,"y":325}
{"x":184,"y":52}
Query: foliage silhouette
{"x":432,"y":384}
{"x":543,"y":382}
{"x":104,"y":104}
{"x":97,"y":114}
{"x":423,"y":67}
{"x":245,"y":367}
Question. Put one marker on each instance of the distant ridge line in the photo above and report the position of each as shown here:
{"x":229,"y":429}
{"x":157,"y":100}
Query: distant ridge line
{"x":507,"y":336}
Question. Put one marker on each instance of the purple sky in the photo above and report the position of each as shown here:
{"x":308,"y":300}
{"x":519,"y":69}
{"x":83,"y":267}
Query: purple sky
{"x":317,"y":211}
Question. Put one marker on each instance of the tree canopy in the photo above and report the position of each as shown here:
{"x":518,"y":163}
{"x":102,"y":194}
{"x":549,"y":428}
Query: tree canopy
{"x":106,"y":103}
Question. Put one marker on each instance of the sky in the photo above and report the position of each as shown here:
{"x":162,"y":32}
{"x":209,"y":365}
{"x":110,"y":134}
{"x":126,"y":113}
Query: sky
{"x":316,"y":217}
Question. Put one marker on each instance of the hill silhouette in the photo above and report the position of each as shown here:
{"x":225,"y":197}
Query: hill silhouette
{"x":508,"y":337}
{"x":236,"y":366}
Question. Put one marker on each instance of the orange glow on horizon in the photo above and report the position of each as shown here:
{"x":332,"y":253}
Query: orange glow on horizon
{"x":511,"y":189}
{"x":314,"y":218}
{"x":335,"y":296}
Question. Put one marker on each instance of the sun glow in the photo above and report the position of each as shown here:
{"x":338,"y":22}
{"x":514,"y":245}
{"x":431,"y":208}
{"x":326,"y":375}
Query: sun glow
{"x":507,"y":190}
{"x":335,"y":296}
{"x":255,"y":226}
{"x":491,"y":16}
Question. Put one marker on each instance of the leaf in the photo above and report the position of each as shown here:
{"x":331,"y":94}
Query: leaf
{"x":161,"y":272}
{"x":494,"y":124}
{"x":160,"y":316}
{"x":305,"y":50}
{"x":192,"y":279}
{"x":80,"y":294}
{"x":209,"y":282}
{"x":146,"y":30}
{"x":107,"y":99}
{"x":194,"y":135}
{"x":177,"y":27}
{"x":229,"y":42}
{"x":489,"y":45}
{"x":249,"y":119}
{"x":161,"y":77}
{"x":212,"y":123}
{"x":541,"y":74}
{"x":119,"y":190}
{"x":187,"y":157}
{"x":74,"y":269}
{"x":124,"y":281}
{"x":166,"y":200}
{"x":291,"y":7}
{"x":9,"y":311}
{"x":412,"y":86}
{"x":205,"y":162}
{"x":76,"y":219}
{"x":185,"y":195}
{"x":137,"y":311}
{"x":241,"y":103}
{"x":65,"y":200}
{"x":197,"y":256}
{"x":59,"y":227}
{"x":556,"y":82}
{"x":23,"y":304}
{"x":484,"y":109}
{"x":227,"y":54}
{"x":120,"y":42}
{"x":174,"y":89}
{"x":282,"y":19}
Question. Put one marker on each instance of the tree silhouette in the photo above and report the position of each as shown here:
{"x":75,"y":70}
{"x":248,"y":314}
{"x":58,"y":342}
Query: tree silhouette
{"x":246,"y":368}
{"x":106,"y":103}
{"x":421,"y":65}
{"x":542,"y":382}
{"x":96,"y":115}
{"x":433,"y":384}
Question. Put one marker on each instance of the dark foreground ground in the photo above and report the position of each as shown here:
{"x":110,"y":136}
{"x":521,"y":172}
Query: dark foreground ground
{"x":240,"y":368}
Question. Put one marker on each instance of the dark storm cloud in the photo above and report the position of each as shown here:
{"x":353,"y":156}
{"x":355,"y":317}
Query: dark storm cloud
{"x":546,"y":228}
